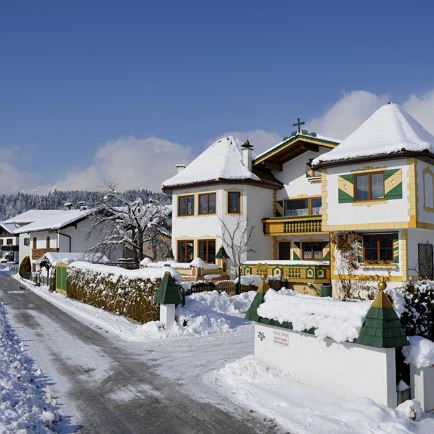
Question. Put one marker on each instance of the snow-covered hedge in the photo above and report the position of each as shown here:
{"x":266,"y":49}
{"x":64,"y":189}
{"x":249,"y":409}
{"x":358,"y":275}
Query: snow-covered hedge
{"x":124,"y":292}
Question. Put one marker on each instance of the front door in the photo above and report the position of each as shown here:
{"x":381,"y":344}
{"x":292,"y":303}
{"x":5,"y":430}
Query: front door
{"x":425,"y":258}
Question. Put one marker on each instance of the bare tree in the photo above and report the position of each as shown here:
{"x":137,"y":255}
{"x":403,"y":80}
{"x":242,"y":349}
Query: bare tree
{"x":236,"y":240}
{"x":130,"y":224}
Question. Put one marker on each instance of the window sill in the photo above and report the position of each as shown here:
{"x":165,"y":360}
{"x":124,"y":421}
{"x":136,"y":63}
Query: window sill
{"x":391,"y":265}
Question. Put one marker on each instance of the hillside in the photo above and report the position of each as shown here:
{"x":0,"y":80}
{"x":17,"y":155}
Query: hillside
{"x":13,"y":204}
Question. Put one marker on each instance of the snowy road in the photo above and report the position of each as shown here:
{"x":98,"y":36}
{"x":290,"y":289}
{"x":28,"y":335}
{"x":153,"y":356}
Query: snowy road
{"x":107,"y":386}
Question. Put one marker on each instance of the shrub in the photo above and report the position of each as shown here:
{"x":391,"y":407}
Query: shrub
{"x":115,"y":292}
{"x":417,"y":316}
{"x":25,"y":270}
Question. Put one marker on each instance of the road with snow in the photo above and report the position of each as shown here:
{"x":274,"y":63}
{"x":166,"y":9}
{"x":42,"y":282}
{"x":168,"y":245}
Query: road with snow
{"x":108,"y":387}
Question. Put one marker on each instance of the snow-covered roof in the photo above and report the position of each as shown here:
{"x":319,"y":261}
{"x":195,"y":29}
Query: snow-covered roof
{"x":8,"y":227}
{"x":390,"y":130}
{"x":31,"y":216}
{"x":220,"y":161}
{"x":300,"y":135}
{"x":56,"y":219}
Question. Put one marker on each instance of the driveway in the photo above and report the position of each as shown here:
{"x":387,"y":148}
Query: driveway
{"x":102,"y":385}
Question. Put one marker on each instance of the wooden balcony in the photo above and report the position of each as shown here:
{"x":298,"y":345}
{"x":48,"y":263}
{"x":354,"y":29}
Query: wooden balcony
{"x":38,"y":253}
{"x":297,"y":273}
{"x":292,"y":225}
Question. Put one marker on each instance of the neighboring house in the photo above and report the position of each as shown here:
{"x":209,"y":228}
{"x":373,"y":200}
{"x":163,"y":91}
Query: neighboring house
{"x":41,"y":232}
{"x":377,"y":186}
{"x":275,"y":196}
{"x":379,"y":183}
{"x":9,"y":242}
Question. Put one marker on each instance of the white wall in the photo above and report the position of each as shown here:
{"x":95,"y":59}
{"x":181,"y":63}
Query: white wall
{"x":388,"y":211}
{"x":23,"y":249}
{"x":416,"y":237}
{"x":256,"y":203}
{"x":425,"y":192}
{"x":345,"y":370}
{"x":293,"y":176}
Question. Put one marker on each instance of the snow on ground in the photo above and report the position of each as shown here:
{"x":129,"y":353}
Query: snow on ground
{"x":25,"y":404}
{"x":204,"y":314}
{"x":300,"y":409}
{"x":339,"y":320}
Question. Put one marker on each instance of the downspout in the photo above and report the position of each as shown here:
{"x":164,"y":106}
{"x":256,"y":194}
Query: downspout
{"x":69,"y":237}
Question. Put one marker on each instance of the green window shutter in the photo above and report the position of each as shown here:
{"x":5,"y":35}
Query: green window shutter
{"x":393,"y":184}
{"x":346,"y":188}
{"x":296,"y":250}
{"x":395,"y":248}
{"x":360,"y":250}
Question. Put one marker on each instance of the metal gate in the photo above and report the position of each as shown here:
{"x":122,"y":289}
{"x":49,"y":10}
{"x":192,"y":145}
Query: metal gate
{"x":425,"y":260}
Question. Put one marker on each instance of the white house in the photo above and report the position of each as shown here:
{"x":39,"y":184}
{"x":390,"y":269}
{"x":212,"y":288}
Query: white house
{"x":8,"y":242}
{"x":44,"y":231}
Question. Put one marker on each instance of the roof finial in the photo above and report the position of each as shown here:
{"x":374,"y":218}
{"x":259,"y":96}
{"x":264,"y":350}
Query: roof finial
{"x":298,"y":124}
{"x":247,"y":145}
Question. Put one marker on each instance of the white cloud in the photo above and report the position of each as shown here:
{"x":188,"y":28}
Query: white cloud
{"x":344,"y":116}
{"x":422,"y":109}
{"x":129,"y":162}
{"x":13,"y":179}
{"x":261,"y":140}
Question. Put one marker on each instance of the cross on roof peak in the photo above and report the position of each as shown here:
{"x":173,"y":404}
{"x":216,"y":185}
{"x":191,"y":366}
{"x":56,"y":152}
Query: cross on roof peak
{"x":298,"y":124}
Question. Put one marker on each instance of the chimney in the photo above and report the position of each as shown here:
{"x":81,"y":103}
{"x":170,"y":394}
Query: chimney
{"x":81,"y":205}
{"x":247,"y":148}
{"x":67,"y":206}
{"x":180,"y":167}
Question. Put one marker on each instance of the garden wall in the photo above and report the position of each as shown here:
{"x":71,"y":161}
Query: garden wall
{"x":344,"y":369}
{"x":124,"y":292}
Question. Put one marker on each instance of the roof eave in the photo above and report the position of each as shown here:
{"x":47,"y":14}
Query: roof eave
{"x":390,"y":156}
{"x":264,"y":184}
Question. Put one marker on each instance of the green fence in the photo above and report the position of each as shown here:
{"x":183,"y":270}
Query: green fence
{"x":61,"y":277}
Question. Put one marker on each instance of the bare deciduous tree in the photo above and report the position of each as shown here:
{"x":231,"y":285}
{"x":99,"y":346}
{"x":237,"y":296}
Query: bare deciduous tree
{"x":236,"y":240}
{"x":130,"y":224}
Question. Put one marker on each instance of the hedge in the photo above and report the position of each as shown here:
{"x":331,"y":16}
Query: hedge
{"x":118,"y":293}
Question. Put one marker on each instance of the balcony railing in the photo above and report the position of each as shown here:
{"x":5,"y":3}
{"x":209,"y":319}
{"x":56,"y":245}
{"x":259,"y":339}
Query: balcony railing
{"x":38,"y":253}
{"x":306,"y":273}
{"x":292,"y":225}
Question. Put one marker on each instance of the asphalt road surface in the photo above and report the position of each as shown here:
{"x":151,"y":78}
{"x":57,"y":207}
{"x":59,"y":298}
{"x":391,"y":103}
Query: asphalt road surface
{"x":103,"y":387}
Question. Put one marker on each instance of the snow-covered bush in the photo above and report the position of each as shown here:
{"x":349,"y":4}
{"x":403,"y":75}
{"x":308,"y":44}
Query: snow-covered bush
{"x":124,"y":292}
{"x":415,"y":303}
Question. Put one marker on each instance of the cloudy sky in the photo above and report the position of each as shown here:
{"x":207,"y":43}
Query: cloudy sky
{"x":121,"y":91}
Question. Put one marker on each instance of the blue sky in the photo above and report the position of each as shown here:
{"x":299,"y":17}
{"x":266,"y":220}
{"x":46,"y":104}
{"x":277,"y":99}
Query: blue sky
{"x":78,"y":74}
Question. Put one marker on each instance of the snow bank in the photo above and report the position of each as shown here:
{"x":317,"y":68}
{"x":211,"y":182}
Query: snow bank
{"x":420,"y":353}
{"x":250,"y":279}
{"x":300,"y":409}
{"x":338,"y":320}
{"x":116,"y":272}
{"x":25,"y":405}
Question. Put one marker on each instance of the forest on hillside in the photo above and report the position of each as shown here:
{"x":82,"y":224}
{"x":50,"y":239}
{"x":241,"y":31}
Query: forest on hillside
{"x":17,"y":203}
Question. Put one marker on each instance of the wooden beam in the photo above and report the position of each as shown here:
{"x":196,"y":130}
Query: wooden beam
{"x":310,"y":147}
{"x":273,"y":166}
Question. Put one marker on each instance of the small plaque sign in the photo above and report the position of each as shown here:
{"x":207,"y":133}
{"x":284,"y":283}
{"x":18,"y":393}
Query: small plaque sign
{"x":280,"y":338}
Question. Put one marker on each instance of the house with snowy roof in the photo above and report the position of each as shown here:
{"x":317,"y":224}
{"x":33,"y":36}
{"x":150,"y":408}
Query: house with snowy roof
{"x":294,"y":200}
{"x":55,"y":231}
{"x":8,"y":242}
{"x":268,"y":207}
{"x":379,"y":184}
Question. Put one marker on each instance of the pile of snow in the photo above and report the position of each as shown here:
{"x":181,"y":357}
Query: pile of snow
{"x":250,"y":279}
{"x":220,"y":161}
{"x":54,"y":258}
{"x":338,"y":320}
{"x":148,"y":263}
{"x":420,"y":353}
{"x":115,"y":272}
{"x":389,"y":130}
{"x":25,"y":405}
{"x":300,"y":409}
{"x":204,"y":313}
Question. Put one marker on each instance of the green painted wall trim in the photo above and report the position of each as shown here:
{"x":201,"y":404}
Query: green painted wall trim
{"x":168,"y":292}
{"x":252,"y":312}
